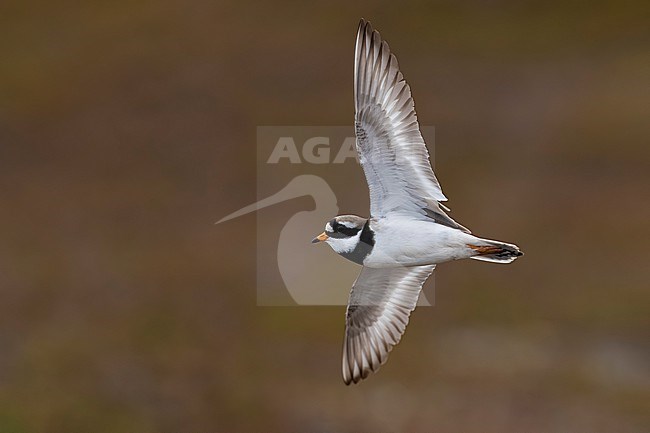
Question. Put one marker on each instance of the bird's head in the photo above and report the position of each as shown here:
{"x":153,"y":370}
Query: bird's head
{"x":342,"y":233}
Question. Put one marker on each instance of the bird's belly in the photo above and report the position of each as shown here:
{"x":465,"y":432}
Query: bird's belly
{"x":414,"y":243}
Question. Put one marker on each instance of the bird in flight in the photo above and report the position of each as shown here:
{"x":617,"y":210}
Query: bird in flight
{"x":408,"y":232}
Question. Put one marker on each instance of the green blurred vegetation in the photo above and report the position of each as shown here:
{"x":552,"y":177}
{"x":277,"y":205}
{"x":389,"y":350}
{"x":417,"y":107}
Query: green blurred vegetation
{"x":128,"y":128}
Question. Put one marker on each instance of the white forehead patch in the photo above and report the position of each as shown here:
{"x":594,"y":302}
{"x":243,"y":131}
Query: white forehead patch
{"x":328,"y":228}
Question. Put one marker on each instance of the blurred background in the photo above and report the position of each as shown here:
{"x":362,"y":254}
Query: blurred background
{"x":127,"y":128}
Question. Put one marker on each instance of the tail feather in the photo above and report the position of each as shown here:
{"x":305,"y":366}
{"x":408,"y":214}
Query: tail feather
{"x":495,"y":252}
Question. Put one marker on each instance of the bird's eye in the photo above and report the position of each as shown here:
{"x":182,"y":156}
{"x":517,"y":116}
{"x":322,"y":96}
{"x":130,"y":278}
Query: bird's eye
{"x":346,"y":230}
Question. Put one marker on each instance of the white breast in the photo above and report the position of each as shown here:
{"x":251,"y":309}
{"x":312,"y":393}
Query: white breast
{"x":410,"y":242}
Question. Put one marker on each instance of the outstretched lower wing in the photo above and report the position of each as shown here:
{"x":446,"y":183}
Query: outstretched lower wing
{"x":380,"y":304}
{"x":391,"y":149}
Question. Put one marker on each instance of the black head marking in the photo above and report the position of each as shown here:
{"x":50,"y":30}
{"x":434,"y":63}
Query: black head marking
{"x":341,"y":230}
{"x":363,"y":247}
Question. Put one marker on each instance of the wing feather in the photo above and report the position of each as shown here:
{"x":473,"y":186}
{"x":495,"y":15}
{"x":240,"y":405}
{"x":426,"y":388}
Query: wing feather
{"x":391,"y":149}
{"x":378,"y":312}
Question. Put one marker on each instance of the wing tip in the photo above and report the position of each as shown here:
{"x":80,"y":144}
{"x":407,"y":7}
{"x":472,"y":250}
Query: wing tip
{"x":363,"y":28}
{"x":358,"y":365}
{"x":354,"y":373}
{"x":366,"y":31}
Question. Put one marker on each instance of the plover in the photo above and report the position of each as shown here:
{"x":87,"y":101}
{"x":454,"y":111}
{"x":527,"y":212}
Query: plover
{"x":408,"y":232}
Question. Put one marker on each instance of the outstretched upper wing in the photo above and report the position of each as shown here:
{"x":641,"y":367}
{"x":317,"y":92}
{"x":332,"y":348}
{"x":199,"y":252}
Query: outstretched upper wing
{"x":380,"y":304}
{"x":389,"y":143}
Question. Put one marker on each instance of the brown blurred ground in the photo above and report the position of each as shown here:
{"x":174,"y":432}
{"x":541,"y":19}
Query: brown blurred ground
{"x":128,"y":128}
